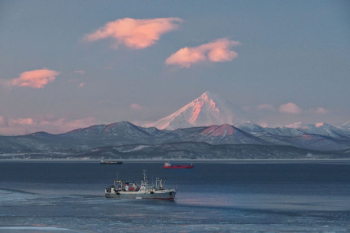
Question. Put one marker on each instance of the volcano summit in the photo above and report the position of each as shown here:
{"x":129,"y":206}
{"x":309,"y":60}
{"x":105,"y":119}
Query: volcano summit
{"x":208,"y":109}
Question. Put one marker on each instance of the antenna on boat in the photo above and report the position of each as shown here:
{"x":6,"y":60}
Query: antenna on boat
{"x":144,"y":175}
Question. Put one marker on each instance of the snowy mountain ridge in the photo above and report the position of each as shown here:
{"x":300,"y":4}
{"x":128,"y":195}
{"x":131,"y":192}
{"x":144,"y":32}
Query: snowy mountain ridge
{"x":125,"y":140}
{"x":207,"y":127}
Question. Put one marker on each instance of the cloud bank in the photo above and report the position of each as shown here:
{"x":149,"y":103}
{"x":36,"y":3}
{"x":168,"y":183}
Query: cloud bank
{"x":216,"y":51}
{"x":51,"y":124}
{"x":33,"y":79}
{"x":136,"y":107}
{"x":319,"y":110}
{"x":290,"y":108}
{"x":265,"y":107}
{"x":135,"y":33}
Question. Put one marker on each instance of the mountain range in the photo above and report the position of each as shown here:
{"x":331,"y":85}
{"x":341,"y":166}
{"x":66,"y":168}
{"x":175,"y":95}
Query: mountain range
{"x":125,"y":140}
{"x":207,"y":128}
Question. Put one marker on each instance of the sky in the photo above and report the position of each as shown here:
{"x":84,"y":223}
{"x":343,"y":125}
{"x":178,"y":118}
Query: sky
{"x":72,"y":64}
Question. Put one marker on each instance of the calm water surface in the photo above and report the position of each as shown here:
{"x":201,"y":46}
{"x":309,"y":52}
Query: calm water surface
{"x":212,"y":197}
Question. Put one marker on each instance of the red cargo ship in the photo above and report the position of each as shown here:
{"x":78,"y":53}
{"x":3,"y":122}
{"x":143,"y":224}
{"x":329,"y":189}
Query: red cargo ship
{"x":169,"y":166}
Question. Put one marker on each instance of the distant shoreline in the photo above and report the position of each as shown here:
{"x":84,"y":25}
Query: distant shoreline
{"x":194,"y":161}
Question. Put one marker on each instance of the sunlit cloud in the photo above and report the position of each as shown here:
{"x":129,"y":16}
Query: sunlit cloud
{"x":134,"y":33}
{"x":319,"y":110}
{"x":136,"y":107}
{"x":81,"y":85}
{"x":296,"y":125}
{"x":22,"y":121}
{"x":290,"y":108}
{"x":266,"y":107}
{"x":14,"y":126}
{"x":33,"y":79}
{"x":50,"y":124}
{"x":64,"y":124}
{"x":216,"y":51}
{"x":3,"y":122}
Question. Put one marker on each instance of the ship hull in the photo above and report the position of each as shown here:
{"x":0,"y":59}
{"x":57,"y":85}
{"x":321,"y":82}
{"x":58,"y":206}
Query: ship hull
{"x":111,"y":162}
{"x":179,"y":167}
{"x":163,"y":195}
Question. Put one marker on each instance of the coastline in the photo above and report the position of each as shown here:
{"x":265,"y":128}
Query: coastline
{"x":194,"y":161}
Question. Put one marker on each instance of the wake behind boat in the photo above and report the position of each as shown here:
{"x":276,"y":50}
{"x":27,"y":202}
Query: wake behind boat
{"x":146,"y":191}
{"x":169,"y":166}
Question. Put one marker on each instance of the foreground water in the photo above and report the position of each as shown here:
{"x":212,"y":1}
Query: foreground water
{"x":213,"y":197}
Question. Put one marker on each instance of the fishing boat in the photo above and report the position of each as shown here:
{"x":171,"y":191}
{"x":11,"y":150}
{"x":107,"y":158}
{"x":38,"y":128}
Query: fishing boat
{"x":169,"y":166}
{"x":130,"y":190}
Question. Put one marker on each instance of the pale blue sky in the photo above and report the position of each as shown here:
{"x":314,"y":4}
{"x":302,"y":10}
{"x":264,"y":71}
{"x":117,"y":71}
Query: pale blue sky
{"x":291,"y":52}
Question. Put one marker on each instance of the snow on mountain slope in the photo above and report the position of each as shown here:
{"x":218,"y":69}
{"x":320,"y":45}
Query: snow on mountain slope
{"x":258,"y":130}
{"x":131,"y":136}
{"x":252,"y":128}
{"x":122,"y":129}
{"x":320,"y":129}
{"x":206,"y":110}
{"x":346,"y":125}
{"x":228,"y":134}
{"x":118,"y":133}
{"x":311,"y":136}
{"x":317,"y":142}
{"x":86,"y":132}
{"x":215,"y":134}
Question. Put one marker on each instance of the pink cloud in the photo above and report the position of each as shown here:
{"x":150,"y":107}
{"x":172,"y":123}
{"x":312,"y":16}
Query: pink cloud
{"x":3,"y":122}
{"x":81,"y":85}
{"x":135,"y":33}
{"x":290,"y":108}
{"x":22,"y":121}
{"x":319,"y":110}
{"x":216,"y":51}
{"x":33,"y":79}
{"x":64,"y":124}
{"x":296,"y":125}
{"x":136,"y":107}
{"x":15,"y":126}
{"x":12,"y":131}
{"x":50,"y":124}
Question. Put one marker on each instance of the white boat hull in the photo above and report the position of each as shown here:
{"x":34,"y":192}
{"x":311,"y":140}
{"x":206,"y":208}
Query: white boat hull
{"x":168,"y":194}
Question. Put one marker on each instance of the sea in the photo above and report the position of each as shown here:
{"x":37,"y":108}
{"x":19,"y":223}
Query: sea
{"x":214,"y":196}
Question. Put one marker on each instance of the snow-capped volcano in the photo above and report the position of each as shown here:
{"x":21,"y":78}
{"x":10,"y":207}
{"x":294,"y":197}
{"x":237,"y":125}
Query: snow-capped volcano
{"x":206,"y":110}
